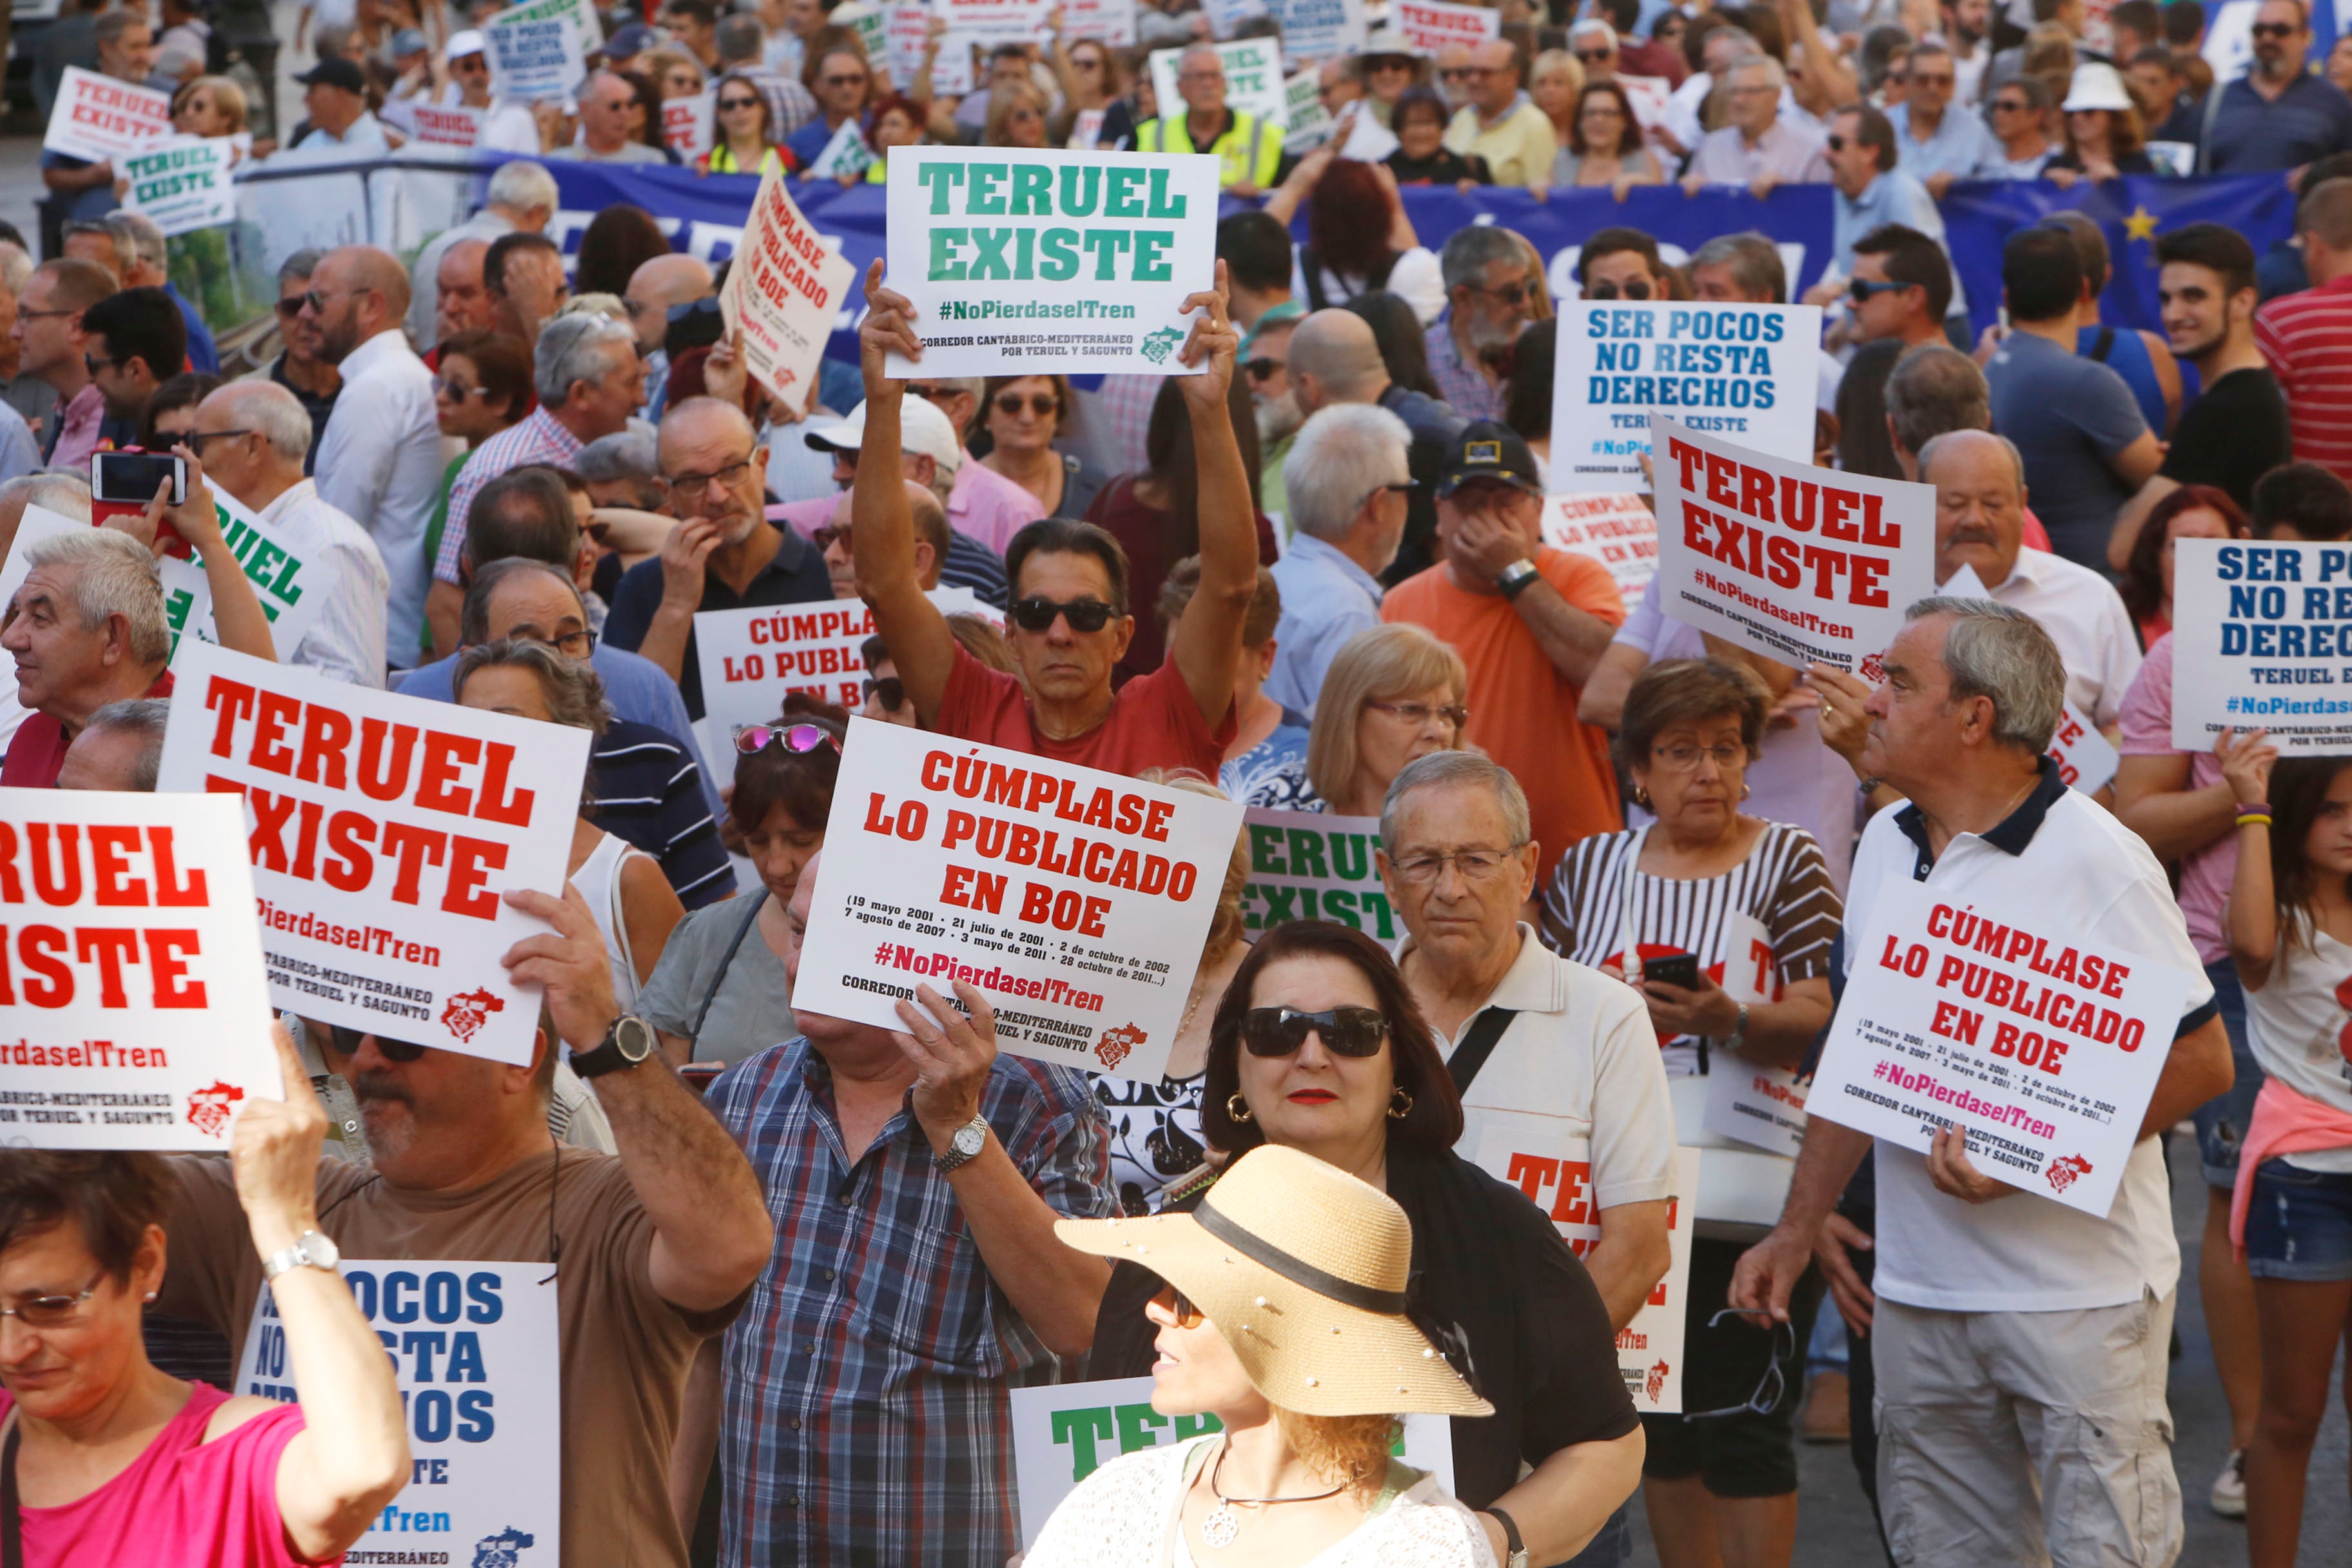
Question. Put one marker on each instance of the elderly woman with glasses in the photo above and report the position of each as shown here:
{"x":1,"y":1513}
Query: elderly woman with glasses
{"x":1393,"y":693}
{"x":1724,"y":922}
{"x":109,"y":1459}
{"x":1318,"y":1048}
{"x":1023,"y":417}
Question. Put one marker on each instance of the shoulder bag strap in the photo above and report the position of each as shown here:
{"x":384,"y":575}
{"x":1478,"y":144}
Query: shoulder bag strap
{"x":716,"y":975}
{"x":2103,"y":345}
{"x":1310,"y":267}
{"x":1477,"y":1043}
{"x":12,"y":1542}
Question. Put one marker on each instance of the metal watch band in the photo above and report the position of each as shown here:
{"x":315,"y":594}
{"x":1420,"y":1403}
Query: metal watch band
{"x":955,"y":1159}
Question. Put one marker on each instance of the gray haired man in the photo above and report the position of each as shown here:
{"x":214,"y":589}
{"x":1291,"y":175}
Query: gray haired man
{"x":521,"y":196}
{"x":1349,"y":478}
{"x":2021,"y":1344}
{"x":122,"y":747}
{"x":1491,"y":280}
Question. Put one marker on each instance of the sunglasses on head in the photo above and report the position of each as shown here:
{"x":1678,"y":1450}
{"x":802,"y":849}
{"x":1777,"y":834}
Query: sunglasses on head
{"x":1636,"y":289}
{"x":1345,"y":1031}
{"x":1040,"y":402}
{"x":1036,"y":613}
{"x":753,"y":739}
{"x":347,"y":1043}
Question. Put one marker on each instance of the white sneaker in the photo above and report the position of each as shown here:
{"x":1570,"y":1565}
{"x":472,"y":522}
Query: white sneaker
{"x":2228,"y":1498}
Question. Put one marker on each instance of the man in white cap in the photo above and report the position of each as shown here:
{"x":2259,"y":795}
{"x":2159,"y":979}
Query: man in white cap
{"x":504,"y":127}
{"x":929,"y":456}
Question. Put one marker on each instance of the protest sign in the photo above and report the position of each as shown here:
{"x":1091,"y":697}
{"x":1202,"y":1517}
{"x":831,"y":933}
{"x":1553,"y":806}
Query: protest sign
{"x":98,"y":117}
{"x":1796,"y":563}
{"x":1320,"y":29}
{"x":181,"y":182}
{"x":2262,"y":639}
{"x":993,"y":21}
{"x":872,"y":27}
{"x":1433,"y":24}
{"x":476,"y":1349}
{"x":1649,"y":95}
{"x":1110,"y":22}
{"x":787,"y":285}
{"x":1077,"y":900}
{"x":384,"y":829}
{"x":689,"y":123}
{"x":433,"y":124}
{"x":1753,"y":1102}
{"x":846,"y":153}
{"x":906,"y":32}
{"x":1303,"y":111}
{"x":1133,"y":234}
{"x":1253,"y":78}
{"x":129,"y":973}
{"x":1305,"y":866}
{"x":1534,"y":1152}
{"x":1225,"y":16}
{"x":2044,"y":1046}
{"x":1063,"y":1433}
{"x":1617,"y":531}
{"x":1744,"y":373}
{"x":539,"y":51}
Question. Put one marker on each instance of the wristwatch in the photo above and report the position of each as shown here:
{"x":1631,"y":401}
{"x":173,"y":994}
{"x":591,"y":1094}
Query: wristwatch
{"x":1513,"y":579}
{"x":965,"y":1147}
{"x":310,"y":1250}
{"x":1739,"y":1036}
{"x":629,"y":1041}
{"x":1516,"y":1554}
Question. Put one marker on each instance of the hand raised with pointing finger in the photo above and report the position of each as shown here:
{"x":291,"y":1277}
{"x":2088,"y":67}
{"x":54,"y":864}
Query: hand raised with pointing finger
{"x":1214,"y":344}
{"x":273,"y":1154}
{"x":888,"y":327}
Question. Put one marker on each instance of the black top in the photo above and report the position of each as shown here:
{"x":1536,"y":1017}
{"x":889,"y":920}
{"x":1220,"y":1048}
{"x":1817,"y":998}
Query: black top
{"x":1434,"y":429}
{"x":795,"y":575}
{"x":1442,"y":168}
{"x":1488,"y":1260}
{"x":1863,"y":445}
{"x":2233,"y":434}
{"x":2132,"y":163}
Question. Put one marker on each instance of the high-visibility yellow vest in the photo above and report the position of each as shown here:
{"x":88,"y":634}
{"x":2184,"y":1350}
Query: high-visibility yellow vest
{"x":1250,"y":149}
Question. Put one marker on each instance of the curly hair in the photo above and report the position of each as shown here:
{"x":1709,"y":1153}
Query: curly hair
{"x":1350,"y":1451}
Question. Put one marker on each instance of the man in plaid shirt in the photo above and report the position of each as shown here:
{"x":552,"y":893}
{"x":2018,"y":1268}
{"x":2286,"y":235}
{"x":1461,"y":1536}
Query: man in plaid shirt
{"x":913,"y":1282}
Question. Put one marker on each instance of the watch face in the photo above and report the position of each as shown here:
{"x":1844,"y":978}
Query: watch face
{"x":319,"y":1249}
{"x":634,"y":1037}
{"x":971,"y":1139}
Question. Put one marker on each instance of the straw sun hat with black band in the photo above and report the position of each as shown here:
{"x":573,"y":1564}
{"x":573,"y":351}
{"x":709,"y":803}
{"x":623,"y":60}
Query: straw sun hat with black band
{"x":1303,"y":1269}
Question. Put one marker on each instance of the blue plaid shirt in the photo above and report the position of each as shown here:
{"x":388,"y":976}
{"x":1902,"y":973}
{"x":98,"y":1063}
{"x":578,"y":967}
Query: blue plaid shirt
{"x":865,"y":1418}
{"x":1459,"y":383}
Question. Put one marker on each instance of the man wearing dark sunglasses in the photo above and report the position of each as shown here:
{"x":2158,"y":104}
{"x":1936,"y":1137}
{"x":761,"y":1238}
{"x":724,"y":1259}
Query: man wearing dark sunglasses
{"x":1490,"y":290}
{"x":2278,"y":115}
{"x":653,"y":288}
{"x":1069,"y":624}
{"x":1621,"y":263}
{"x":1934,"y":145}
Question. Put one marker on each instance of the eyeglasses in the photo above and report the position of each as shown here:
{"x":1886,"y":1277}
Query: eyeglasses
{"x":690,"y":488}
{"x":1418,"y":713}
{"x":288,"y":308}
{"x":1345,"y":1031}
{"x":57,"y":1312}
{"x":1509,"y":293}
{"x":1684,"y":759}
{"x":96,"y":363}
{"x":1772,"y":1388}
{"x":931,"y":393}
{"x":2274,"y":30}
{"x":844,"y":81}
{"x":1838,"y":143}
{"x":316,"y":297}
{"x":1262,"y":367}
{"x":1918,"y":81}
{"x":575,"y":644}
{"x":889,"y":689}
{"x":1039,"y":404}
{"x":832,"y":533}
{"x":1036,"y":613}
{"x":195,"y":439}
{"x":2008,"y":106}
{"x":728,"y":103}
{"x":1475,"y":865}
{"x":23,"y":314}
{"x":1637,"y":289}
{"x":348,"y":1040}
{"x":1859,"y":289}
{"x":750,"y":739}
{"x":454,"y":390}
{"x":1404,"y":488}
{"x":1179,"y":1307}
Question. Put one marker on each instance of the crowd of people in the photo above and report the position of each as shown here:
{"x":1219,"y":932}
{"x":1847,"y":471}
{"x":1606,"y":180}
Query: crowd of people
{"x":1312,"y":576}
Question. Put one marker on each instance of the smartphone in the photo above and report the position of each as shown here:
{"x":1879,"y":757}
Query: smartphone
{"x":135,"y":476}
{"x":700,"y":1076}
{"x":1673,"y":969}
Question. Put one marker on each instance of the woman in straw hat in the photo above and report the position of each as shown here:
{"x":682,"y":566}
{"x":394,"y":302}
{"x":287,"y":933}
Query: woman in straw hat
{"x":1283,"y":1314}
{"x":1318,"y":1047}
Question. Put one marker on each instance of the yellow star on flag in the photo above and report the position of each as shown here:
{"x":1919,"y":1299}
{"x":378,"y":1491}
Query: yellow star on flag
{"x":2141,"y":224}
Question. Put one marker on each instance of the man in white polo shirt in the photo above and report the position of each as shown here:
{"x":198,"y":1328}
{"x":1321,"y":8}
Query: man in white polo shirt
{"x":2021,"y":1344}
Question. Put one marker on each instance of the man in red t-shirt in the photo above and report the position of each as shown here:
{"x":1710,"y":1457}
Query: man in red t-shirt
{"x":1069,"y":624}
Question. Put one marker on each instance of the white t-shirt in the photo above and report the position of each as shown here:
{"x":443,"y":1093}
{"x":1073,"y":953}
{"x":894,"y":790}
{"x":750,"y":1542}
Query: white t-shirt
{"x":2084,"y":871}
{"x":2085,"y":617}
{"x":1580,"y":1049}
{"x":2297,"y":1024}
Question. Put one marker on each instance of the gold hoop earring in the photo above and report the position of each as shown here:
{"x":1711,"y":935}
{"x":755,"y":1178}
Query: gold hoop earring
{"x":1640,"y":797}
{"x":1237,"y":1109}
{"x":1399,"y":1104}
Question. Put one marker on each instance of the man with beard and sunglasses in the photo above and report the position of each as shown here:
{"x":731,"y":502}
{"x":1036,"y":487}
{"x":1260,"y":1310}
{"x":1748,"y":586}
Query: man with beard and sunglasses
{"x":1490,"y":291}
{"x":653,"y":1249}
{"x":2278,"y":115}
{"x":1069,"y":624}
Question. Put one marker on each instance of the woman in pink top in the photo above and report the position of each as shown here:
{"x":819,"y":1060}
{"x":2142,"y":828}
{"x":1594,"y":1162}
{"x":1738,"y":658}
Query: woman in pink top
{"x":107,"y":1460}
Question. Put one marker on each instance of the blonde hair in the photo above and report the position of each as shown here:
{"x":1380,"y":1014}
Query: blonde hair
{"x":1001,"y":102}
{"x":1378,"y":664}
{"x":1351,"y":1451}
{"x":656,"y":64}
{"x":226,"y":94}
{"x":1225,"y":927}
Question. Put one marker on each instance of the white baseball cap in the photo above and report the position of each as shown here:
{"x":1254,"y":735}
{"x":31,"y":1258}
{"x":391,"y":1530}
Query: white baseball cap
{"x":921,"y":428}
{"x":470,"y":42}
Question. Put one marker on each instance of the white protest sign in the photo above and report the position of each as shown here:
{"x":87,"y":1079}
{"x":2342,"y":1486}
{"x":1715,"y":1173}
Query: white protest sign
{"x":1305,"y":866}
{"x":475,"y":1348}
{"x":98,"y":117}
{"x":1796,"y":563}
{"x":2086,"y":759}
{"x":1077,"y":900}
{"x":993,"y":21}
{"x":845,"y":153}
{"x":1617,"y":531}
{"x":1310,"y":123}
{"x":1433,"y":24}
{"x":906,"y":30}
{"x":1225,"y":16}
{"x":1743,"y":372}
{"x":974,"y":234}
{"x":1063,"y":1433}
{"x":1534,"y":1152}
{"x":1320,"y":29}
{"x":2043,"y":1046}
{"x":1752,"y":1101}
{"x":433,"y":124}
{"x":1253,"y":78}
{"x":785,"y":289}
{"x":182,"y":183}
{"x":129,"y":973}
{"x":1368,"y":141}
{"x":1110,"y":22}
{"x":1649,"y":95}
{"x":2229,"y":46}
{"x":689,"y":123}
{"x":2260,"y":641}
{"x":539,"y":51}
{"x":382,"y":830}
{"x":872,"y":29}
{"x":751,"y":659}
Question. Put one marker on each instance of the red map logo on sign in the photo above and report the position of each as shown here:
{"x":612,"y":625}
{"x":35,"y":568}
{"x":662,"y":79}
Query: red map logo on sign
{"x":466,"y":1015}
{"x":2063,"y":1172}
{"x":208,"y":1108}
{"x":1115,"y":1044}
{"x":1657,"y":1384}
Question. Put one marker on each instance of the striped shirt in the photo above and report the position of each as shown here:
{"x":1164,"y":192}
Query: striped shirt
{"x":538,"y":439}
{"x":1784,"y":884}
{"x":649,"y":793}
{"x":2307,"y":338}
{"x":865,"y":1418}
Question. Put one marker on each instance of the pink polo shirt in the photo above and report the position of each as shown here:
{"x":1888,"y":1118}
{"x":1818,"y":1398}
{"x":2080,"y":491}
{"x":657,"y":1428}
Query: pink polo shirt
{"x":988,"y":506}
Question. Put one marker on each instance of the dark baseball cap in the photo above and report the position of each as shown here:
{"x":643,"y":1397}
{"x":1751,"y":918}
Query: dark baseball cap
{"x":335,"y":71}
{"x":628,"y":41}
{"x":1489,"y":450}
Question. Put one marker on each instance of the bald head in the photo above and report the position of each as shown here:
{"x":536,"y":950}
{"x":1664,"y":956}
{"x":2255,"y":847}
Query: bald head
{"x":700,"y":421}
{"x":930,"y":542}
{"x":1971,"y":453}
{"x":1334,"y":358}
{"x":370,"y":267}
{"x":357,"y":292}
{"x":464,"y":305}
{"x":655,"y":286}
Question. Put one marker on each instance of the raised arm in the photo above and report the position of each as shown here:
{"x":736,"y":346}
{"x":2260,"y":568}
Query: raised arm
{"x":1207,"y":646}
{"x":2250,"y":917}
{"x":881,"y":527}
{"x":238,"y":615}
{"x":2155,"y":800}
{"x":711,"y":1231}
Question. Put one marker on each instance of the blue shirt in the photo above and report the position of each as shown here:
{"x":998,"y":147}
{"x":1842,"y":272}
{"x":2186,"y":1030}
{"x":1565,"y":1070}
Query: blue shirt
{"x":201,"y":354}
{"x":1961,"y":146}
{"x":1894,"y":197}
{"x":2310,"y":119}
{"x":87,"y":205}
{"x":795,"y":575}
{"x":649,"y":793}
{"x":1326,"y":599}
{"x":20,"y":454}
{"x":2068,"y":416}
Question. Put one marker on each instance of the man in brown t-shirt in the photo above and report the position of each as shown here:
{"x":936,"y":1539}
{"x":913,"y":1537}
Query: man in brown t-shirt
{"x":651,"y":1250}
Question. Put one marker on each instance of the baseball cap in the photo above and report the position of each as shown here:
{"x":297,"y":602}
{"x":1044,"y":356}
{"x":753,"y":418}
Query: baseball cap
{"x":628,"y":40}
{"x":470,"y":42}
{"x":921,"y":428}
{"x":335,"y":71}
{"x":407,"y":41}
{"x":1489,"y":450}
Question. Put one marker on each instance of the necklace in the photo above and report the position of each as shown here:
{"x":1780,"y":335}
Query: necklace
{"x":1219,"y":1530}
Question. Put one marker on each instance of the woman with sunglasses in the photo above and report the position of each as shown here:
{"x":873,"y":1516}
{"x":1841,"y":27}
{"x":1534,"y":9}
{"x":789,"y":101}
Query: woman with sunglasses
{"x":2020,"y":115}
{"x":1022,"y":415}
{"x":1358,"y":237}
{"x":1318,"y":1048}
{"x":746,"y":139}
{"x":1604,"y":144}
{"x":719,"y":994}
{"x":1300,"y":1469}
{"x":481,"y":387}
{"x":1419,"y":119}
{"x":1696,"y":894}
{"x":108,"y":1460}
{"x":2104,"y":130}
{"x":1016,"y":117}
{"x":1092,"y":89}
{"x":1393,"y":693}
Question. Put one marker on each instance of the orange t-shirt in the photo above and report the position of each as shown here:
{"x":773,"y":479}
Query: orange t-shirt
{"x":1522,"y":713}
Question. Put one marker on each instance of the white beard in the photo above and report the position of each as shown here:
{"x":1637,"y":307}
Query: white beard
{"x":1278,"y":417}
